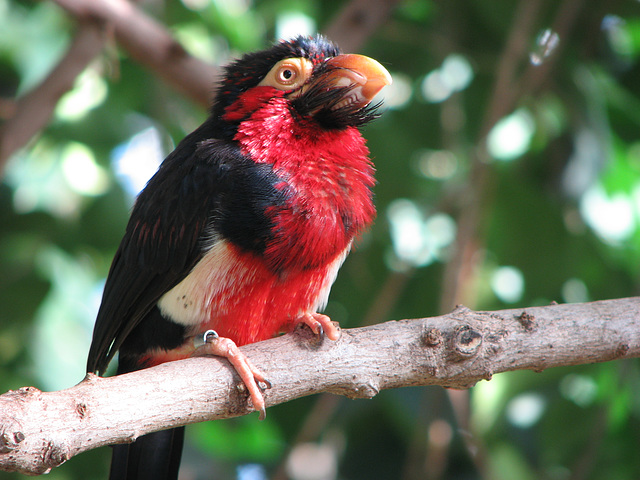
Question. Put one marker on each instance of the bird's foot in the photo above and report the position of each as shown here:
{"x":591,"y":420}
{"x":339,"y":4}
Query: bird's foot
{"x":250,"y":375}
{"x":319,"y":323}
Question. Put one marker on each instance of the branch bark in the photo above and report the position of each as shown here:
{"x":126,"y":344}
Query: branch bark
{"x":39,"y":431}
{"x":33,"y":111}
{"x":149,"y":43}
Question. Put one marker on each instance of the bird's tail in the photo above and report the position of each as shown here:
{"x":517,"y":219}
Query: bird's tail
{"x":155,"y":456}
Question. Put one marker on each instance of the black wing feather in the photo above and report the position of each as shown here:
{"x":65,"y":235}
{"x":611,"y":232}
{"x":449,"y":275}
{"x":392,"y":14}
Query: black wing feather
{"x":159,"y":248}
{"x":204,"y":187}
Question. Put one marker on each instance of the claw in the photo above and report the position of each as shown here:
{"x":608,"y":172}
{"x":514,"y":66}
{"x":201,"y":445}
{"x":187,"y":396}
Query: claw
{"x":250,"y":375}
{"x":321,"y":325}
{"x":267,"y":384}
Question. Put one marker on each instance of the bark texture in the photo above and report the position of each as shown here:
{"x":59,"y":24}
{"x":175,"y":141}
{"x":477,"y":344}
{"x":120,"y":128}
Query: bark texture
{"x":39,"y":431}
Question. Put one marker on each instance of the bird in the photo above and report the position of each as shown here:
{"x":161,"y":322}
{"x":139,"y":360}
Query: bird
{"x":240,"y":233}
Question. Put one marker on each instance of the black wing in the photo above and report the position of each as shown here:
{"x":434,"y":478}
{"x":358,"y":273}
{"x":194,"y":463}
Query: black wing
{"x":203,"y":189}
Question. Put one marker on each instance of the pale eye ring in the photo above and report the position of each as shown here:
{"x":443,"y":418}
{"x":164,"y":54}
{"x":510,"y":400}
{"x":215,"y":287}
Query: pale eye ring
{"x":287,"y":75}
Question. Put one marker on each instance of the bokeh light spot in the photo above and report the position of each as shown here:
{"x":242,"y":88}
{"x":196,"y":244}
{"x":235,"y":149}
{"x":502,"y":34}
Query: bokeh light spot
{"x":511,"y":136}
{"x":508,"y":284}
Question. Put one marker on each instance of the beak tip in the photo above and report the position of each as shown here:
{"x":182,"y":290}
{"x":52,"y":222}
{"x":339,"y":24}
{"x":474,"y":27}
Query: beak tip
{"x":388,"y":79}
{"x":376,"y":76}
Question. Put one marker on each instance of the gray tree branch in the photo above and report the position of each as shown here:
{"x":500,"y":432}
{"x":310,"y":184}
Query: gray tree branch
{"x":39,"y":431}
{"x":33,"y":111}
{"x":149,"y":43}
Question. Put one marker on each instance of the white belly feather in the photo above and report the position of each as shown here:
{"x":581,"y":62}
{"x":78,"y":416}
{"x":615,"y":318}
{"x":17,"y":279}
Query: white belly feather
{"x":220,"y":273}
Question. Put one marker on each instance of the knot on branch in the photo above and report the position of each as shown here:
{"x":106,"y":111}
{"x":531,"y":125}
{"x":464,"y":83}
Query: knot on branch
{"x":26,"y":393}
{"x":466,"y":341}
{"x":622,"y":349}
{"x":11,"y":434}
{"x":366,"y":390}
{"x":9,"y":441}
{"x":359,"y":387}
{"x":527,"y":320}
{"x":54,"y":456}
{"x":432,"y":337}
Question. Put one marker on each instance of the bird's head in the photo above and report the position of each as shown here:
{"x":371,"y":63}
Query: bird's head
{"x":317,"y":81}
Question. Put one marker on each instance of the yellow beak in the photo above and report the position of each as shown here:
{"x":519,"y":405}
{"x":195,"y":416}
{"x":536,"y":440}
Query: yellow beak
{"x":368,"y":76}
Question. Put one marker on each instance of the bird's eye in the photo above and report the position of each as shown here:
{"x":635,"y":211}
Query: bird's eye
{"x":286,"y":75}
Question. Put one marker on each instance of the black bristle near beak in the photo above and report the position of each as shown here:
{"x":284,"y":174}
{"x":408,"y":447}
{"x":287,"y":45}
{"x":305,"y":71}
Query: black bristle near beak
{"x":321,"y":101}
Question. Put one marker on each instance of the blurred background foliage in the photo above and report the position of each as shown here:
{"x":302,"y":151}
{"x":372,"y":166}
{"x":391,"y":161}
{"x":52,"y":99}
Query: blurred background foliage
{"x":544,"y":169}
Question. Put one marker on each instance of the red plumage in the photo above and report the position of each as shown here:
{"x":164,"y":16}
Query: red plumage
{"x":330,"y":175}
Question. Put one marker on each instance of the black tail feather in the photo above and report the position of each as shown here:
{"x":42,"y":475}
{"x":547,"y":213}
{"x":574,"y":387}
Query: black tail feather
{"x":155,"y":456}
